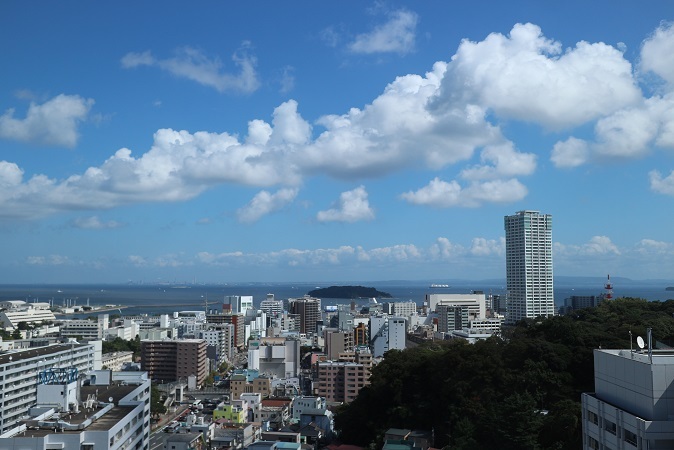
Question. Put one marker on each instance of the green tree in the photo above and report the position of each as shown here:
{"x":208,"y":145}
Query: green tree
{"x":157,"y":407}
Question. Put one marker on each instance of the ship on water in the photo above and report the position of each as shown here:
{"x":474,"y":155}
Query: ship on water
{"x":436,"y":286}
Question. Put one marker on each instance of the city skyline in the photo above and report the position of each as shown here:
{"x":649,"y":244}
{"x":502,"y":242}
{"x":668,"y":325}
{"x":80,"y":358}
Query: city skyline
{"x":333,"y":141}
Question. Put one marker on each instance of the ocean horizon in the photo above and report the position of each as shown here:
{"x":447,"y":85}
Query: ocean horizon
{"x":137,"y":299}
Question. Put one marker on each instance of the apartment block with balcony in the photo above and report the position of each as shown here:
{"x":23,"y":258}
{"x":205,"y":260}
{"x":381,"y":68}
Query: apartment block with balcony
{"x":171,"y":360}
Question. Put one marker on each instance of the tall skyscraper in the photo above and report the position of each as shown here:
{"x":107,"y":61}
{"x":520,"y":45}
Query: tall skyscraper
{"x":529,"y":266}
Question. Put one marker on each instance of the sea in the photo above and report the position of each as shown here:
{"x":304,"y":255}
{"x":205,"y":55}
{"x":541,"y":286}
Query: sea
{"x":155,"y":299}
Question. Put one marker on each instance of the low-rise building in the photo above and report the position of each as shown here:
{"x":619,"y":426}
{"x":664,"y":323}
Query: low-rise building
{"x":110,"y":410}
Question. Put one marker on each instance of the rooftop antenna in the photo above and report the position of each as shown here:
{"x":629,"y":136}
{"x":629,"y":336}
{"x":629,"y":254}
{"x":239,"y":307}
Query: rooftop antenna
{"x":609,"y":288}
{"x":650,"y":344}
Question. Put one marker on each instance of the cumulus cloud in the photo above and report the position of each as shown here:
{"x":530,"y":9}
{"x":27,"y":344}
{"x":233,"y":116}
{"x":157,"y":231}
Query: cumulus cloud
{"x":397,"y":35}
{"x":657,"y":53}
{"x":94,"y":223}
{"x":442,"y":194}
{"x":265,"y":203}
{"x":501,"y":161}
{"x":570,"y":153}
{"x":433,"y":120}
{"x":527,"y":76}
{"x":352,"y":206}
{"x":660,"y":184}
{"x":54,"y":122}
{"x":597,"y":246}
{"x":194,"y":65}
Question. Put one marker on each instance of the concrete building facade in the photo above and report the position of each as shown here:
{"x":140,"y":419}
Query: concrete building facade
{"x":633,"y":403}
{"x":171,"y":360}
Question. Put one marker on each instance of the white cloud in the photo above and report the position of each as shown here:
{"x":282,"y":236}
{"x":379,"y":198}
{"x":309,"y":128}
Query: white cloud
{"x":597,"y":246}
{"x":94,"y":223}
{"x":442,"y":194}
{"x":657,"y":53}
{"x":192,"y":64}
{"x":570,"y":153}
{"x":264,"y":203}
{"x":653,"y":247}
{"x":505,"y":162}
{"x":486,"y":247}
{"x":353,"y":206}
{"x":527,"y":76}
{"x":54,"y":122}
{"x":397,"y":35}
{"x":445,"y":249}
{"x":662,"y":185}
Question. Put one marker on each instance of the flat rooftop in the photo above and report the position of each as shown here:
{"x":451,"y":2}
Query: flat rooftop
{"x":36,"y":352}
{"x":660,"y":356}
{"x":103,"y":423}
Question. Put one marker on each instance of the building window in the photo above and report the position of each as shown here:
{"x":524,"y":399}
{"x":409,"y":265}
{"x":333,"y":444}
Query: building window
{"x":610,"y":426}
{"x":630,"y":438}
{"x":592,"y":417}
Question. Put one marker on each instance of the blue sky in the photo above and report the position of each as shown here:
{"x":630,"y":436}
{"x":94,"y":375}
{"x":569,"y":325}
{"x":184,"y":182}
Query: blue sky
{"x":298,"y":141}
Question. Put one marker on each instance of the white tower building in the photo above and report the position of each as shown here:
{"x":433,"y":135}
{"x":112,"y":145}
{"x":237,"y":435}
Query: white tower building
{"x":529,"y":265}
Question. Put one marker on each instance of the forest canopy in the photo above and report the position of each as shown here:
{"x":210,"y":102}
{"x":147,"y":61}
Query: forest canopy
{"x":520,"y":390}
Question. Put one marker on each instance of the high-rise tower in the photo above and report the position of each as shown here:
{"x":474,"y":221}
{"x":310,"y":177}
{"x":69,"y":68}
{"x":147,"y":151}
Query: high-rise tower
{"x":529,"y":266}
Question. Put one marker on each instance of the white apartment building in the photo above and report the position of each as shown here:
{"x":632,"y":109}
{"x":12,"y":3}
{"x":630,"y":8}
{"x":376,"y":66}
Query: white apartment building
{"x":17,"y":311}
{"x":631,"y":407}
{"x":220,"y":337}
{"x":404,"y":309}
{"x":86,"y":329}
{"x":19,"y":374}
{"x":271,"y":306}
{"x":476,"y":303}
{"x":115,"y":361}
{"x":110,"y":410}
{"x":387,"y":333}
{"x":529,"y":278}
{"x":302,"y":403}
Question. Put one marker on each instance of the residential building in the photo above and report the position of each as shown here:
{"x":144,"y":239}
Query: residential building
{"x":309,"y":311}
{"x":86,"y":329}
{"x":110,"y":411}
{"x":337,"y":342}
{"x":220,"y":341}
{"x":529,"y":281}
{"x":20,"y":370}
{"x":248,"y":381}
{"x":303,"y":403}
{"x":404,"y":309}
{"x":171,"y":360}
{"x":340,"y":381}
{"x":115,"y":361}
{"x":360,"y":334}
{"x":632,"y":403}
{"x":387,"y":333}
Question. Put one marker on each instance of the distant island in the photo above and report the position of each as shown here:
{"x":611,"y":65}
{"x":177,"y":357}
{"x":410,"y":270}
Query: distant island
{"x":349,"y":292}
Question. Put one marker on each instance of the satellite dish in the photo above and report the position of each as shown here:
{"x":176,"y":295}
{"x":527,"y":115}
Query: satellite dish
{"x":110,"y":398}
{"x":640,"y":342}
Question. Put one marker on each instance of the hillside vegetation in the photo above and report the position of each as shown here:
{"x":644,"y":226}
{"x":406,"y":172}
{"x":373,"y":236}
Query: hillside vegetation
{"x":518,"y":391}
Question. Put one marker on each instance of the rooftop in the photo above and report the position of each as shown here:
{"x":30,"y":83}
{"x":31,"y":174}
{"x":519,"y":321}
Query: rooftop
{"x":36,"y":352}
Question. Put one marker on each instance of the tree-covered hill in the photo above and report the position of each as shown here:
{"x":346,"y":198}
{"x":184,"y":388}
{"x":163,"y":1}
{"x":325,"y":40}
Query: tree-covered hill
{"x":518,"y":391}
{"x":348,"y":292}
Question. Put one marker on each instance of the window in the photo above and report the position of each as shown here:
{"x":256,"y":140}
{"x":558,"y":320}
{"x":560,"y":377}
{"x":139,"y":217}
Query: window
{"x":610,"y":426}
{"x":630,"y":438}
{"x":592,"y":417}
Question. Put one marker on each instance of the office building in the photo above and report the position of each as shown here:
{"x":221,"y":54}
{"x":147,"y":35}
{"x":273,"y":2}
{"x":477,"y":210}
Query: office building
{"x":631,"y":407}
{"x":475,"y":303}
{"x":171,"y":360}
{"x":528,"y":236}
{"x":237,"y":304}
{"x":109,"y":410}
{"x":17,"y":311}
{"x":85,"y":329}
{"x":19,"y":369}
